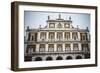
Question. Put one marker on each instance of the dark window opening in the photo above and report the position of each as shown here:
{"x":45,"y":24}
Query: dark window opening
{"x":59,"y":58}
{"x":38,"y":59}
{"x":78,"y":57}
{"x":49,"y":58}
{"x":69,"y":57}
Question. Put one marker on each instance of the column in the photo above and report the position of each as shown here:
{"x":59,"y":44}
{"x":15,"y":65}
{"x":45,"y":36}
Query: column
{"x":89,"y":46}
{"x":55,"y":47}
{"x":63,"y":36}
{"x":37,"y":47}
{"x":71,"y":35}
{"x":71,"y":46}
{"x":25,"y":46}
{"x":79,"y":36}
{"x":46,"y":47}
{"x":79,"y":46}
{"x":32,"y":35}
{"x":63,"y":47}
{"x":47,"y":33}
{"x":27,"y":35}
{"x":38,"y":36}
{"x":55,"y":35}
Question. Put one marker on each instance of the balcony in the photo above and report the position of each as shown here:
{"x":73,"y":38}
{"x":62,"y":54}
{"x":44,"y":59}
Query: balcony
{"x":58,"y":52}
{"x":55,"y":40}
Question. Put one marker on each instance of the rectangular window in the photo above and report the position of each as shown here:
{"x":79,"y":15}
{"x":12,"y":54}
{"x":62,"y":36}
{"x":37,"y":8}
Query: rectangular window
{"x":43,"y":36}
{"x":30,"y":51}
{"x":84,"y":36}
{"x":67,"y":35}
{"x":75,"y":47}
{"x":59,"y":48}
{"x":74,"y":35}
{"x":42,"y":48}
{"x":51,"y":47}
{"x":67,"y":47}
{"x":85,"y":47}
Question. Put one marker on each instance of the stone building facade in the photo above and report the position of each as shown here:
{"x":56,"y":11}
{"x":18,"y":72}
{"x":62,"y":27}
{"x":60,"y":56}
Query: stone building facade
{"x":58,"y":40}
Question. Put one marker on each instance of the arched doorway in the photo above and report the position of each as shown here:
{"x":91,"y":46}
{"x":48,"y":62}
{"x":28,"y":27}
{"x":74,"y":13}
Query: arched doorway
{"x":59,"y":58}
{"x":38,"y":59}
{"x":78,"y":57}
{"x":49,"y":58}
{"x":68,"y":58}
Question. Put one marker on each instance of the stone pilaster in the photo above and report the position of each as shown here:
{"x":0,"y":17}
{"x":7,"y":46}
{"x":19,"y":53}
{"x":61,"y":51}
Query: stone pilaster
{"x":63,"y":46}
{"x":79,"y":36}
{"x":47,"y":33}
{"x":63,"y":36}
{"x":71,"y":46}
{"x":71,"y":35}
{"x":79,"y":46}
{"x":27,"y":35}
{"x":37,"y":47}
{"x":46,"y":47}
{"x":38,"y":36}
{"x":55,"y":36}
{"x":55,"y":47}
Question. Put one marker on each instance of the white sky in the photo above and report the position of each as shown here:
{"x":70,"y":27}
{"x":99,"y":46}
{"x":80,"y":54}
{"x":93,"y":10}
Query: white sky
{"x":34,"y":19}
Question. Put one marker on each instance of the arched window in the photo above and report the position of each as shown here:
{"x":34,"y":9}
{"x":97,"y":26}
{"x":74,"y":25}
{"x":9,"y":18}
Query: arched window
{"x":78,"y":57}
{"x":33,"y":37}
{"x":67,"y":36}
{"x":67,"y":25}
{"x":75,"y":36}
{"x":69,"y":57}
{"x":59,"y":36}
{"x":83,"y":36}
{"x":51,"y":36}
{"x":51,"y":25}
{"x":49,"y":58}
{"x":38,"y":59}
{"x":43,"y":36}
{"x":59,"y":58}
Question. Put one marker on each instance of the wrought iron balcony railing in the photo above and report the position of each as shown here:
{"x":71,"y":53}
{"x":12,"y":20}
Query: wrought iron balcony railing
{"x":58,"y":52}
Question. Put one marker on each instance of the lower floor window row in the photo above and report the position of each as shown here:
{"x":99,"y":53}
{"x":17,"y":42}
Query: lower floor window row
{"x":57,"y":58}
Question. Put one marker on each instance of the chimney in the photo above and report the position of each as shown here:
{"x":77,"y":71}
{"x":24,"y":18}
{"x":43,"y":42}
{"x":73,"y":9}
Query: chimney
{"x":59,"y":16}
{"x":28,"y":28}
{"x":86,"y":28}
{"x":48,"y":17}
{"x":70,"y":18}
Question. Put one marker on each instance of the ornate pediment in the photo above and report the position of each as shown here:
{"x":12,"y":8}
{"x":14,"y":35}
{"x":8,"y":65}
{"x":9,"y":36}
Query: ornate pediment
{"x":59,"y":25}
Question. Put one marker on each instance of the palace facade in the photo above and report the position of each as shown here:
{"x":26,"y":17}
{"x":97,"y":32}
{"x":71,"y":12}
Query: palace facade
{"x":58,"y":40}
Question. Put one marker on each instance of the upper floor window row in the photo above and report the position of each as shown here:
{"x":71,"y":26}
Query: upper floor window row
{"x":59,"y":25}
